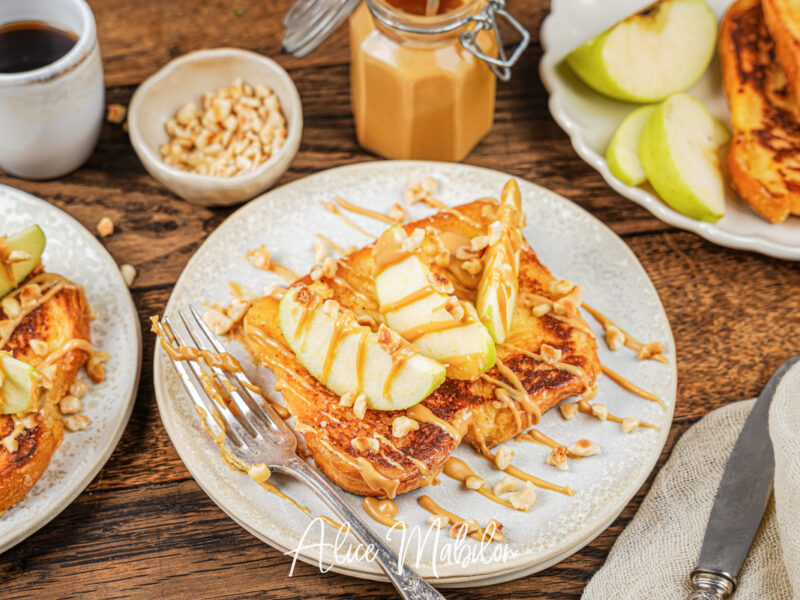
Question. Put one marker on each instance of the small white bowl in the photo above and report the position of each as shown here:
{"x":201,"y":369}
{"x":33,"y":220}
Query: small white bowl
{"x":186,"y":79}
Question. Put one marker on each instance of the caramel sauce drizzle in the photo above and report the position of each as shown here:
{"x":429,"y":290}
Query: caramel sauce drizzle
{"x":335,"y":210}
{"x":586,"y":408}
{"x":630,"y":341}
{"x":364,"y":211}
{"x":382,"y":511}
{"x":631,"y":387}
{"x":519,"y":474}
{"x":459,"y":470}
{"x":481,"y":534}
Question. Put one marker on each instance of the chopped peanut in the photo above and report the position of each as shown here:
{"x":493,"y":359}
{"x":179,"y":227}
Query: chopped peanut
{"x":403,"y":425}
{"x":76,"y":422}
{"x":365,"y":444}
{"x":525,"y":499}
{"x":629,"y":424}
{"x":128,"y":274}
{"x":70,"y":405}
{"x":506,"y":484}
{"x":503,"y":457}
{"x":568,"y":410}
{"x":600,"y":411}
{"x":558,"y":458}
{"x":473,"y":482}
{"x":584,"y":448}
{"x":105,"y":227}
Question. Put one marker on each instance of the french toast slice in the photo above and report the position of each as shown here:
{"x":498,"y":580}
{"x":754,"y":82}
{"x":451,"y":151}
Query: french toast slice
{"x":470,"y":409}
{"x":60,"y":319}
{"x":764,"y":154}
{"x":783,"y":22}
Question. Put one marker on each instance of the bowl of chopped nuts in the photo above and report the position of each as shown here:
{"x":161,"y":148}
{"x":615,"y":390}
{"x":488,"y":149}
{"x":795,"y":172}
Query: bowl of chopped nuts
{"x":217,"y":127}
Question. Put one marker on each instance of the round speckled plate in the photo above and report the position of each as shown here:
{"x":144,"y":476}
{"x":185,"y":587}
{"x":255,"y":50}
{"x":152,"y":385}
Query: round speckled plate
{"x":74,"y":252}
{"x":573,"y":244}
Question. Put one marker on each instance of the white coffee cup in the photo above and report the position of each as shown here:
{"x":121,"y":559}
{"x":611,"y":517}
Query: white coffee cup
{"x":50,"y":118}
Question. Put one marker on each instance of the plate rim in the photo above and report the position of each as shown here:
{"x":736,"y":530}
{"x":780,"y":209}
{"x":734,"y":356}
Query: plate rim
{"x":569,"y":545}
{"x":61,"y":502}
{"x":656,"y":207}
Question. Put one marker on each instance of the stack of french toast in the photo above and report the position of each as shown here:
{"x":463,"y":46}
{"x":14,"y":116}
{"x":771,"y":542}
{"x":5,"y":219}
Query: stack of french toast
{"x":759,"y":50}
{"x":445,"y":329}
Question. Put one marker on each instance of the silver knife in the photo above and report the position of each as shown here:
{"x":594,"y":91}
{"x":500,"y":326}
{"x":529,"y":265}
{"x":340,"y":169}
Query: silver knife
{"x":740,"y":502}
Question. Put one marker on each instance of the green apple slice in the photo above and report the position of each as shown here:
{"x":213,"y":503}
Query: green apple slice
{"x":622,"y":155}
{"x":29,"y":242}
{"x":660,"y":50}
{"x":413,"y":304}
{"x":310,"y":329}
{"x":679,"y":153}
{"x":497,"y":290}
{"x":19,"y":385}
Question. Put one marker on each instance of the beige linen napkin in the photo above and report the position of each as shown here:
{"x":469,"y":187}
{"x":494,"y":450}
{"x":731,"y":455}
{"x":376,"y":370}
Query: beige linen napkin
{"x":655,"y":554}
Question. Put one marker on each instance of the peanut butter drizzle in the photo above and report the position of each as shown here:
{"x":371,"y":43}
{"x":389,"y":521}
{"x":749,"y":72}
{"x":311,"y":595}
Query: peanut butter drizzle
{"x":369,"y":303}
{"x":304,"y":322}
{"x":459,"y":470}
{"x":361,"y":353}
{"x":259,"y":338}
{"x":73,"y":344}
{"x":452,"y":241}
{"x":519,"y":474}
{"x":572,"y":369}
{"x":51,"y":283}
{"x":375,"y":480}
{"x":586,"y":408}
{"x":481,"y":534}
{"x":571,"y":321}
{"x":502,"y":396}
{"x":631,"y":387}
{"x":388,"y":252}
{"x":334,"y":246}
{"x":5,"y":262}
{"x":399,"y":358}
{"x":364,"y":211}
{"x":422,"y":292}
{"x":413,"y":334}
{"x":382,"y":511}
{"x":519,"y":393}
{"x":537,"y":437}
{"x":421,"y":466}
{"x":423,"y":414}
{"x":330,"y":353}
{"x":630,"y":341}
{"x":434,"y":203}
{"x":335,"y":210}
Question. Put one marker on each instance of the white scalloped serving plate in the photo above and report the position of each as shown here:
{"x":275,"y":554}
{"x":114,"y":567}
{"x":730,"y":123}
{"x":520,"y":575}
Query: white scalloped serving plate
{"x":569,"y":240}
{"x":590,"y":119}
{"x":75,"y":253}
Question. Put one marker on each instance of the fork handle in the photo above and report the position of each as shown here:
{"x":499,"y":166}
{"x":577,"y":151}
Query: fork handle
{"x":410,"y":585}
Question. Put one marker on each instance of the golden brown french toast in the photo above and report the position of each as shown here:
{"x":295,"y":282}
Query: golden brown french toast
{"x":764,"y":155}
{"x":471,"y":410}
{"x":783,"y":21}
{"x":60,"y":319}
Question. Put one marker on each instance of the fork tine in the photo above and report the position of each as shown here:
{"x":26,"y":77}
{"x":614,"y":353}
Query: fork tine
{"x":249,"y":410}
{"x":233,"y":424}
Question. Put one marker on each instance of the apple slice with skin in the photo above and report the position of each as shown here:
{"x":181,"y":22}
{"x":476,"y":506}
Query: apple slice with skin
{"x":30,"y":242}
{"x":658,"y":51}
{"x":310,"y":328}
{"x":497,"y":290}
{"x":622,"y":154}
{"x":679,"y":154}
{"x":418,"y":305}
{"x":19,"y":385}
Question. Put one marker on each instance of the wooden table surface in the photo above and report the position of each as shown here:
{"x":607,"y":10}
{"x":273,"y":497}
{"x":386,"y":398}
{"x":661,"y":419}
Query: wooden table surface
{"x":143,"y":528}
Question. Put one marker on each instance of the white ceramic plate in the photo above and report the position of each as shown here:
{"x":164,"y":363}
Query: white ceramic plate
{"x":590,"y":119}
{"x":571,"y":242}
{"x":74,"y":253}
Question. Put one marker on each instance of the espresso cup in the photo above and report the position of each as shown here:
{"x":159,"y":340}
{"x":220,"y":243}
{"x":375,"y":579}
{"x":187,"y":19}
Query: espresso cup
{"x":50,"y":118}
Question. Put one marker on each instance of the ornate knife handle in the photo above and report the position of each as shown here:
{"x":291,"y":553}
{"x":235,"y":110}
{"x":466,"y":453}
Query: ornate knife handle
{"x":707,"y":585}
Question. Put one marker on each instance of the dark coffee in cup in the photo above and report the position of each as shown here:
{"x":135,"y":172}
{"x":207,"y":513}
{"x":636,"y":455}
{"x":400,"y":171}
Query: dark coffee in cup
{"x":30,"y":45}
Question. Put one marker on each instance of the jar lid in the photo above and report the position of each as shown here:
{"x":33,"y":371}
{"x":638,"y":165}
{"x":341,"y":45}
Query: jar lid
{"x":310,"y":22}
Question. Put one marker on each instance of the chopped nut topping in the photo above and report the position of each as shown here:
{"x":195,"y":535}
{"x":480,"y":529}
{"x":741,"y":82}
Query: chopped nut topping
{"x":488,"y":211}
{"x":79,"y":388}
{"x":11,"y":307}
{"x":650,"y":350}
{"x":495,"y":231}
{"x":558,"y":458}
{"x":456,"y":309}
{"x":348,"y":398}
{"x":105,"y":227}
{"x":441,"y":284}
{"x":128,"y":274}
{"x":320,"y":251}
{"x":567,"y":306}
{"x":614,"y":337}
{"x":237,"y":309}
{"x":503,"y":457}
{"x":397,"y":213}
{"x":329,"y":267}
{"x":561,"y":287}
{"x":219,"y":323}
{"x":629,"y":424}
{"x":259,"y":473}
{"x":17,"y":256}
{"x":541,"y":309}
{"x":403,"y":425}
{"x":412,"y":242}
{"x":589,"y":392}
{"x":568,"y":410}
{"x":360,"y":406}
{"x":388,"y":339}
{"x":366,"y":320}
{"x":76,"y":422}
{"x":70,"y":405}
{"x":506,"y":484}
{"x":478,"y":243}
{"x":115,"y":113}
{"x":473,"y":482}
{"x":495,"y":530}
{"x":584,"y":448}
{"x":525,"y":499}
{"x":550,"y":354}
{"x":259,"y":258}
{"x":466,"y":253}
{"x":600,"y":411}
{"x":473,"y":266}
{"x":316,"y":273}
{"x":365,"y":444}
{"x":437,"y":521}
{"x":39,"y":347}
{"x":322,"y":289}
{"x":238,"y":129}
{"x":464,"y":528}
{"x":429,"y":185}
{"x":442,"y":259}
{"x":331,"y":308}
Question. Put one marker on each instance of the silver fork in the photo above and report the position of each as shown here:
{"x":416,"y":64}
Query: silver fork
{"x":258,"y":435}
